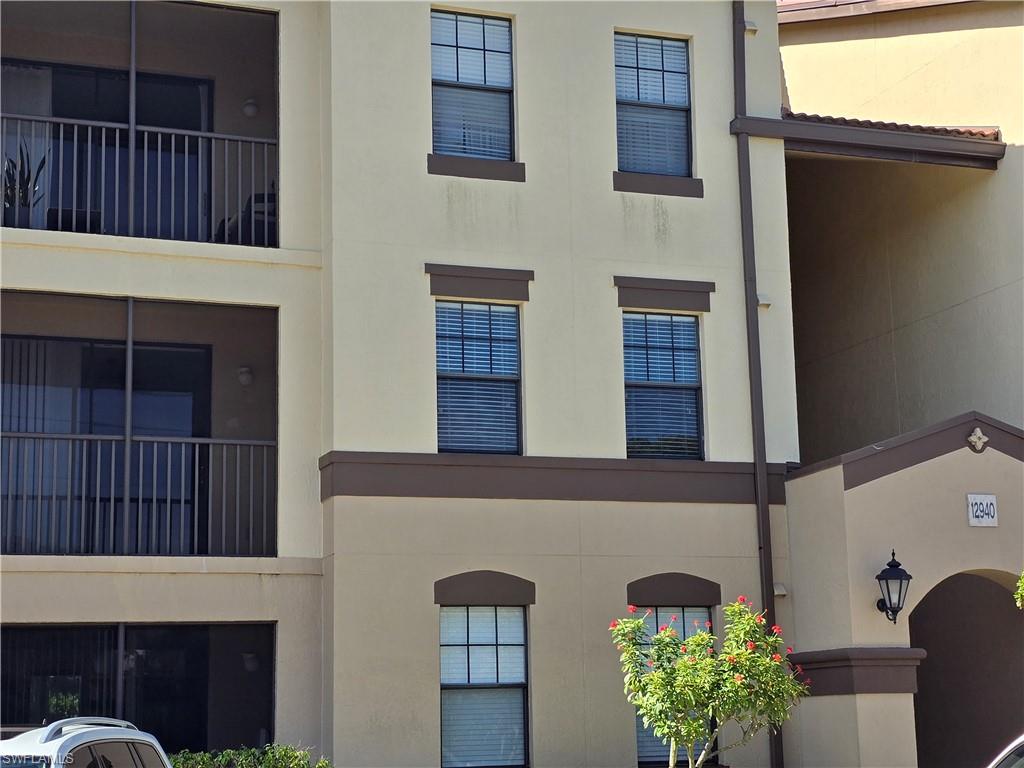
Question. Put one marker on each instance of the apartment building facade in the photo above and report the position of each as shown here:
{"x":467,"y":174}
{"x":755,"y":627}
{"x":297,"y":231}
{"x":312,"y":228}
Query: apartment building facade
{"x":363,"y":360}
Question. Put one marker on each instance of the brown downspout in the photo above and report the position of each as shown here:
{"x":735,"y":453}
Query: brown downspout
{"x":764,"y":533}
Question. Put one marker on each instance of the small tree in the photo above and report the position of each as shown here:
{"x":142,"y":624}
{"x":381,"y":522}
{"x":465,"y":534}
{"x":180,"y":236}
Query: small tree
{"x":687,"y":691}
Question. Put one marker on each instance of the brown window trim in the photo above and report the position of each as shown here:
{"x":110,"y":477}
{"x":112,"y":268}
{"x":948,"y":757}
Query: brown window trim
{"x":655,"y":293}
{"x":479,"y":282}
{"x":656,"y":184}
{"x":681,"y":589}
{"x":484,"y":588}
{"x":476,"y":168}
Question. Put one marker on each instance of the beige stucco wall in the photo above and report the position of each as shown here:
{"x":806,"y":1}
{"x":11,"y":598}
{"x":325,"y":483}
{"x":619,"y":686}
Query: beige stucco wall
{"x":388,"y":217}
{"x":388,"y":552}
{"x":285,"y":591}
{"x":907,"y":279}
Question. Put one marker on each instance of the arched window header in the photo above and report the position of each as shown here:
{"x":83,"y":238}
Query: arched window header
{"x":673,"y":589}
{"x":484,"y":588}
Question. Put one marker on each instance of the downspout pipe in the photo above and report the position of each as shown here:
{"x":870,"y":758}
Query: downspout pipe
{"x":764,"y":533}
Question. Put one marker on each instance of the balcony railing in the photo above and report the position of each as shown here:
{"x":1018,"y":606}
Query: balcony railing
{"x":96,"y":177}
{"x":66,"y":494}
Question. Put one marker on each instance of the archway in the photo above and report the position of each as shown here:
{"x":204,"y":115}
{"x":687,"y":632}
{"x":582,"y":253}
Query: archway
{"x":970,"y":698}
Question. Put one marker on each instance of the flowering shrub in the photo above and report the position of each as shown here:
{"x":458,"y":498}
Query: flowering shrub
{"x":1019,"y":594}
{"x":687,"y":691}
{"x":270,"y":756}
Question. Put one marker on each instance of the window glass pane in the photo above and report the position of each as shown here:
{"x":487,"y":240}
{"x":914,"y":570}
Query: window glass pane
{"x":505,"y":358}
{"x":510,"y":625}
{"x":442,"y":63}
{"x":449,"y":317}
{"x":625,"y":84}
{"x":695,"y":620}
{"x":499,"y":69}
{"x":476,"y":319}
{"x":454,"y":665}
{"x":648,"y":51}
{"x":504,"y":321}
{"x":471,"y":32}
{"x":652,"y":140}
{"x":650,"y":87}
{"x":453,"y":624}
{"x":625,"y":50}
{"x":483,"y":664}
{"x":483,"y":727}
{"x":662,"y":423}
{"x":442,"y":28}
{"x":687,"y":368}
{"x":665,"y":615}
{"x":650,"y":622}
{"x":636,"y":363}
{"x":498,"y":35}
{"x":449,"y":355}
{"x":471,"y":66}
{"x":634,"y":328}
{"x":478,"y":416}
{"x":113,"y":754}
{"x":677,"y":92}
{"x":481,"y":624}
{"x":511,"y":664}
{"x":674,"y":52}
{"x":659,"y":330}
{"x":684,"y":331}
{"x":659,"y":364}
{"x":79,"y":758}
{"x":477,"y":355}
{"x":148,"y":755}
{"x":472,"y":123}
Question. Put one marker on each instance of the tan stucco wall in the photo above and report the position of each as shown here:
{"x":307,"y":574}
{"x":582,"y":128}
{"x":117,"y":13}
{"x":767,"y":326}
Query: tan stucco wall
{"x":388,"y":217}
{"x":907,"y":279}
{"x":388,"y":553}
{"x":286,"y":591}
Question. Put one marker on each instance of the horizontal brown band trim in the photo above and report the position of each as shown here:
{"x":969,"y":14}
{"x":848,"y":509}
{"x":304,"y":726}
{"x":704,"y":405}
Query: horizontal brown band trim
{"x":843,"y":671}
{"x":657,"y":184}
{"x":483,"y":476}
{"x":479,"y":282}
{"x":898,"y":453}
{"x":820,"y":10}
{"x":476,"y":168}
{"x":682,"y":589}
{"x":654,"y":293}
{"x":874,"y":142}
{"x":484,"y":588}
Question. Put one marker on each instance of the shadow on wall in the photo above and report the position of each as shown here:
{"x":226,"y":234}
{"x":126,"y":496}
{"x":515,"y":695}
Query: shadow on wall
{"x":970,"y":699}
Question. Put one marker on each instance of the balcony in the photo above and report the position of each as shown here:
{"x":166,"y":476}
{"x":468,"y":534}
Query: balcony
{"x":137,"y":428}
{"x":153,"y":119}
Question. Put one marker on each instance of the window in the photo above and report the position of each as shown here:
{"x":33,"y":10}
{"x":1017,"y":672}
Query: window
{"x":652,"y":95}
{"x":471,"y":72}
{"x":483,"y":686}
{"x":113,"y":754}
{"x":477,"y":377}
{"x":689,"y":621}
{"x":663,"y":399}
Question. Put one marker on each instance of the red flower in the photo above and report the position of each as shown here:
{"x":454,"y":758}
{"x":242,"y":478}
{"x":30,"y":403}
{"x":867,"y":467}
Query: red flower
{"x":682,"y":649}
{"x":789,"y":649}
{"x":631,"y":608}
{"x":731,"y":659}
{"x":751,"y":645}
{"x":807,"y":682}
{"x":614,"y":624}
{"x":759,"y":619}
{"x":649,"y":612}
{"x":618,"y":647}
{"x":650,"y":663}
{"x":776,"y":629}
{"x":776,"y":657}
{"x":739,"y":678}
{"x":741,"y":599}
{"x":799,"y":669}
{"x":674,"y":617}
{"x":711,"y":650}
{"x":696,"y":623}
{"x":707,"y":624}
{"x":663,"y":627}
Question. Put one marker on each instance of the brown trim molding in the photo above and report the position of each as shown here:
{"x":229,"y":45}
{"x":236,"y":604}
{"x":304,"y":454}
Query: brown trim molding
{"x":844,"y":671}
{"x":820,"y":10}
{"x":877,"y":143}
{"x":485,"y":476}
{"x":898,"y":453}
{"x":680,"y":589}
{"x":476,"y":168}
{"x":479,"y":282}
{"x":657,"y":184}
{"x":484,"y":588}
{"x":654,"y":293}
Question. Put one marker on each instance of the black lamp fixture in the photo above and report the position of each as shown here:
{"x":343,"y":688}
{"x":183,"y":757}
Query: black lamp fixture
{"x":893,"y":581}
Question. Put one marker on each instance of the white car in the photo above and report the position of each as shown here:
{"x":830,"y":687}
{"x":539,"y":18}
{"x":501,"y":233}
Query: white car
{"x":83,"y":742}
{"x":1012,"y":756}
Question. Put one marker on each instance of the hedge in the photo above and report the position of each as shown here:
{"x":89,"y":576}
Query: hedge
{"x":270,"y":756}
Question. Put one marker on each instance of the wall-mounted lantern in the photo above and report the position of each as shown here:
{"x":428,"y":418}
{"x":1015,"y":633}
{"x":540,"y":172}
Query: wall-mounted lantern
{"x":893,"y":581}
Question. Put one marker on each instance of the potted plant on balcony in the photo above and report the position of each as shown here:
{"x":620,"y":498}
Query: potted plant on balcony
{"x":21,"y":188}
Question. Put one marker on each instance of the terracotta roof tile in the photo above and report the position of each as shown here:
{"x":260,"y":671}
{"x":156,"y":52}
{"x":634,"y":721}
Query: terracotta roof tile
{"x":988,"y":133}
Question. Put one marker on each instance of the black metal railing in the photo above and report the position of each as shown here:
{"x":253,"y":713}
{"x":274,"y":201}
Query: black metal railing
{"x":66,"y":494}
{"x":98,"y":177}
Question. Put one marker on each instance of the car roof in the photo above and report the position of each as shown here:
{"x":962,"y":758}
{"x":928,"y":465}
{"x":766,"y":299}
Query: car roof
{"x":59,"y":738}
{"x":1019,"y":741}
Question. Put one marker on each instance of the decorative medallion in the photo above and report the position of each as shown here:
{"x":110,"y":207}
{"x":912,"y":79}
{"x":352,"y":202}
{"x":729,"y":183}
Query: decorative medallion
{"x":977,"y":440}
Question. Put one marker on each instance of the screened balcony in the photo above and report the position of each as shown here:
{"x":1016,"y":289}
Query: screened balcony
{"x":155,"y":119}
{"x":137,"y":427}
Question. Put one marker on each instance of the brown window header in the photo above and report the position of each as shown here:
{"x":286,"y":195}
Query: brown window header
{"x":680,"y":589}
{"x":484,"y":588}
{"x":479,"y":282}
{"x":654,"y":293}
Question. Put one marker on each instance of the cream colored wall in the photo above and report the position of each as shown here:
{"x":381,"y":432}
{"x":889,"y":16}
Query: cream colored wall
{"x":907,"y":278}
{"x":565,"y":222}
{"x":285,"y":591}
{"x":388,"y":552}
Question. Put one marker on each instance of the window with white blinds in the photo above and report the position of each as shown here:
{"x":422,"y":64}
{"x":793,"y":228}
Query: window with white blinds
{"x":483,"y":686}
{"x":652,"y":95}
{"x":649,"y":748}
{"x":477,"y":377}
{"x":471,"y":72}
{"x":663,"y":397}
